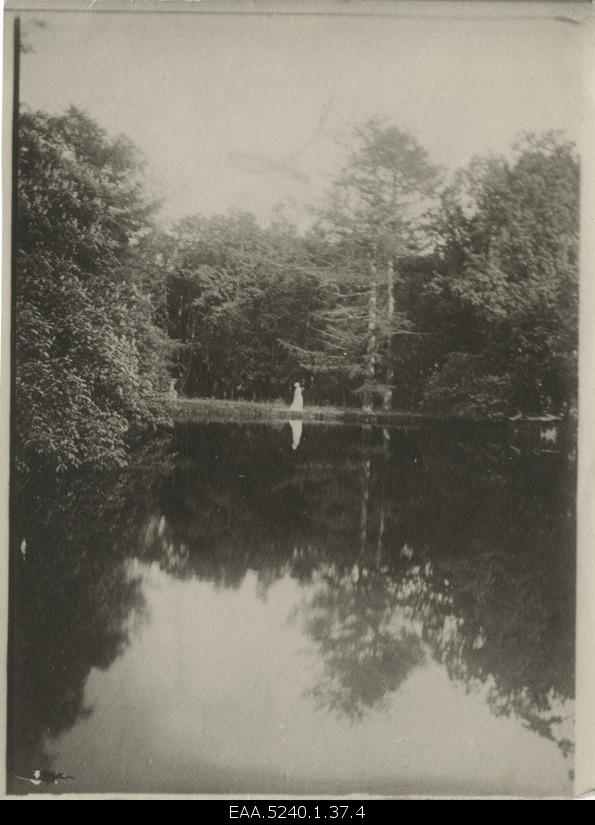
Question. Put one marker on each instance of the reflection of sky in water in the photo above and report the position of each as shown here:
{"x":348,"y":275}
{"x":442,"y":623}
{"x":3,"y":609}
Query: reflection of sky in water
{"x":372,"y":611}
{"x":211,"y":696}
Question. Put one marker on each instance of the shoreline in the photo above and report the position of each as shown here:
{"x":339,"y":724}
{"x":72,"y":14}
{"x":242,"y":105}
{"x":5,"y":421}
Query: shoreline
{"x":213,"y":409}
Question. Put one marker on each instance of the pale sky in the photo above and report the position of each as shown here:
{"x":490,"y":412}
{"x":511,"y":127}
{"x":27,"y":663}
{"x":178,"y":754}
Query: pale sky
{"x":246,"y":111}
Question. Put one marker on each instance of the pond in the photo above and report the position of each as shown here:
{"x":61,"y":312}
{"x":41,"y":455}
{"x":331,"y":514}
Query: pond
{"x":298,"y":609}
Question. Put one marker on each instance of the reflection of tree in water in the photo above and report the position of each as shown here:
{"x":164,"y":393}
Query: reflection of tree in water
{"x":421,"y":544}
{"x":503,"y":584}
{"x":372,"y":633}
{"x":69,"y":622}
{"x":240,"y":499}
{"x":73,"y":599}
{"x":489,"y":592}
{"x":367,"y":654}
{"x":514,"y":634}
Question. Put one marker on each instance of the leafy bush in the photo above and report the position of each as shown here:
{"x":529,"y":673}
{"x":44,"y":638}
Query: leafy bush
{"x":89,"y":359}
{"x":463,"y":386}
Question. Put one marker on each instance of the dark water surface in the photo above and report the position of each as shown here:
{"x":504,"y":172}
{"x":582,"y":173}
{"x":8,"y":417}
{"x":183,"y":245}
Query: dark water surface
{"x":340,"y":609}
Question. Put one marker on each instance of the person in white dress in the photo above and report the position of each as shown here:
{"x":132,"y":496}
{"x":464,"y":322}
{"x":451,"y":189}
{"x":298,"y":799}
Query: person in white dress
{"x":297,"y":405}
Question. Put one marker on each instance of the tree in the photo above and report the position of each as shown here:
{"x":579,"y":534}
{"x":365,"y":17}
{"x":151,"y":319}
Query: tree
{"x":89,"y":358}
{"x":505,"y":289}
{"x":234,"y":290}
{"x":374,"y":219}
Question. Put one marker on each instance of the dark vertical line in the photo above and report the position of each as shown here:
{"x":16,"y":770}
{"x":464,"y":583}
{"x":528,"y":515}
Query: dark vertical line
{"x":12,"y":460}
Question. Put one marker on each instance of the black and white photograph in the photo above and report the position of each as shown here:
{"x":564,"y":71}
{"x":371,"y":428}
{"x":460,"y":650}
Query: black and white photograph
{"x":294,"y":399}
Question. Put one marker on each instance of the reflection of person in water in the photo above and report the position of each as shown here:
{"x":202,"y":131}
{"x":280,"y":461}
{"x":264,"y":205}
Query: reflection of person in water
{"x":297,"y":405}
{"x":296,"y":433}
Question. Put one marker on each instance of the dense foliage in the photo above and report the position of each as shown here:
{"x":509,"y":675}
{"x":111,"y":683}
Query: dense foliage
{"x":466,"y":304}
{"x":89,"y":358}
{"x":235,"y":290}
{"x":505,"y":291}
{"x":463,"y":302}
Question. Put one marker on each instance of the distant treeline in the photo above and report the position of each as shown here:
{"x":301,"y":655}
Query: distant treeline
{"x":409,"y":291}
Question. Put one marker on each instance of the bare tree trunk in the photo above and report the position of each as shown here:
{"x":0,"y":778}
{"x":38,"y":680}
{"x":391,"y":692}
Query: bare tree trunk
{"x":390,"y":373}
{"x":372,"y":325}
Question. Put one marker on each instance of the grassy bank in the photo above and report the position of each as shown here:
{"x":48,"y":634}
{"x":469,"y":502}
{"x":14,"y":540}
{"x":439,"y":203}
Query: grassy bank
{"x":212,"y":409}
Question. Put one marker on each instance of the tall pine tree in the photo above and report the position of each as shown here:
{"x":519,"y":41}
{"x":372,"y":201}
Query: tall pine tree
{"x":373,"y":219}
